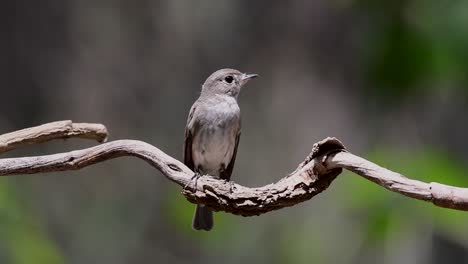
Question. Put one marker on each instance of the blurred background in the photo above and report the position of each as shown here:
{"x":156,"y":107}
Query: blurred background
{"x":389,"y":78}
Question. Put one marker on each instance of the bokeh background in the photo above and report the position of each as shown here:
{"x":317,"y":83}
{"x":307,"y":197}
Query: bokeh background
{"x":389,"y":78}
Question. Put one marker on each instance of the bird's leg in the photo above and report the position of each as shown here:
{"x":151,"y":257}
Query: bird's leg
{"x":195,"y":178}
{"x":221,"y":172}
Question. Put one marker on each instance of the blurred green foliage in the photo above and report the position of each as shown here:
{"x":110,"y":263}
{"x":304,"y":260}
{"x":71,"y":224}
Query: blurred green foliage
{"x":416,"y":45}
{"x":388,"y":213}
{"x":27,"y":241}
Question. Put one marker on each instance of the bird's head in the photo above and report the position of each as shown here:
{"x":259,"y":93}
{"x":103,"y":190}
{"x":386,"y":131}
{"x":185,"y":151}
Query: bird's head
{"x":226,"y":81}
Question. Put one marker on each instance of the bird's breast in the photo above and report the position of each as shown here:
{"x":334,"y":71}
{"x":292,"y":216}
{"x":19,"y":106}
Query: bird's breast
{"x":215,"y":138}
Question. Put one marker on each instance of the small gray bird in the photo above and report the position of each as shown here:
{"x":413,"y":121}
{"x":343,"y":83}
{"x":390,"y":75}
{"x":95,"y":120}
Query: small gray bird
{"x":212,"y":132}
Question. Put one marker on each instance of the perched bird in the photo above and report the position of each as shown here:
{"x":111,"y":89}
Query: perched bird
{"x":212,"y":132}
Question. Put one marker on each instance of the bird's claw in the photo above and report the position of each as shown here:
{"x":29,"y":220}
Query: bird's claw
{"x":231,"y":187}
{"x":195,"y":178}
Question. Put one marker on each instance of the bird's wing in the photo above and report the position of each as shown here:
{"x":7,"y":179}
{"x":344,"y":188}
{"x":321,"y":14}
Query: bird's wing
{"x":188,"y":160}
{"x":226,"y":174}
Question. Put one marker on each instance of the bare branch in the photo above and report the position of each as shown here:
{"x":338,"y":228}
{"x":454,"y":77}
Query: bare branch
{"x":439,"y":194}
{"x":49,"y":131}
{"x":312,"y":176}
{"x":301,"y":185}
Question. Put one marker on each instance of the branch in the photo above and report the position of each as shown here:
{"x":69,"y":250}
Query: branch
{"x":312,"y":176}
{"x":301,"y":185}
{"x":439,"y":194}
{"x":49,"y":131}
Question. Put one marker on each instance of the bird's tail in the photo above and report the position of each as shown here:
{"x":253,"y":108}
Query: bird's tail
{"x":203,"y":218}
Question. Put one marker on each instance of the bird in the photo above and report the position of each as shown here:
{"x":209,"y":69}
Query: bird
{"x":212,"y":133}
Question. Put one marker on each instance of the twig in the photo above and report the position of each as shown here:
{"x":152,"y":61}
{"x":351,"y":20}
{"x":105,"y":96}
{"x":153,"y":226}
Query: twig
{"x":49,"y":131}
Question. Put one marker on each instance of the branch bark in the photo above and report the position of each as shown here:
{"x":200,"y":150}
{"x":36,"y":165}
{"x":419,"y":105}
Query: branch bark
{"x":49,"y":131}
{"x":313,"y":175}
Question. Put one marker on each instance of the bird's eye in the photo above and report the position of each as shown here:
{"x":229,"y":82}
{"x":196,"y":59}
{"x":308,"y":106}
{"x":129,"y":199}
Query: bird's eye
{"x":228,"y":79}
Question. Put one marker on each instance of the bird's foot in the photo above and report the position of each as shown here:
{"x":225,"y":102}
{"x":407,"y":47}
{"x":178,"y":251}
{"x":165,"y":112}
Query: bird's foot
{"x":231,"y":187}
{"x":195,"y":178}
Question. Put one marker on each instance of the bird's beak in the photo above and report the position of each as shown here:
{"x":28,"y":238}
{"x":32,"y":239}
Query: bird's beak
{"x":248,"y":76}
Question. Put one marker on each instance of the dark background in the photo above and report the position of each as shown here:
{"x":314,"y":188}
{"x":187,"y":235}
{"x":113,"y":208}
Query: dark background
{"x":389,"y":78}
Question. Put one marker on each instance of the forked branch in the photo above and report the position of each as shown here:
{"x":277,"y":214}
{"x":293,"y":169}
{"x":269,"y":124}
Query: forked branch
{"x":312,"y":176}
